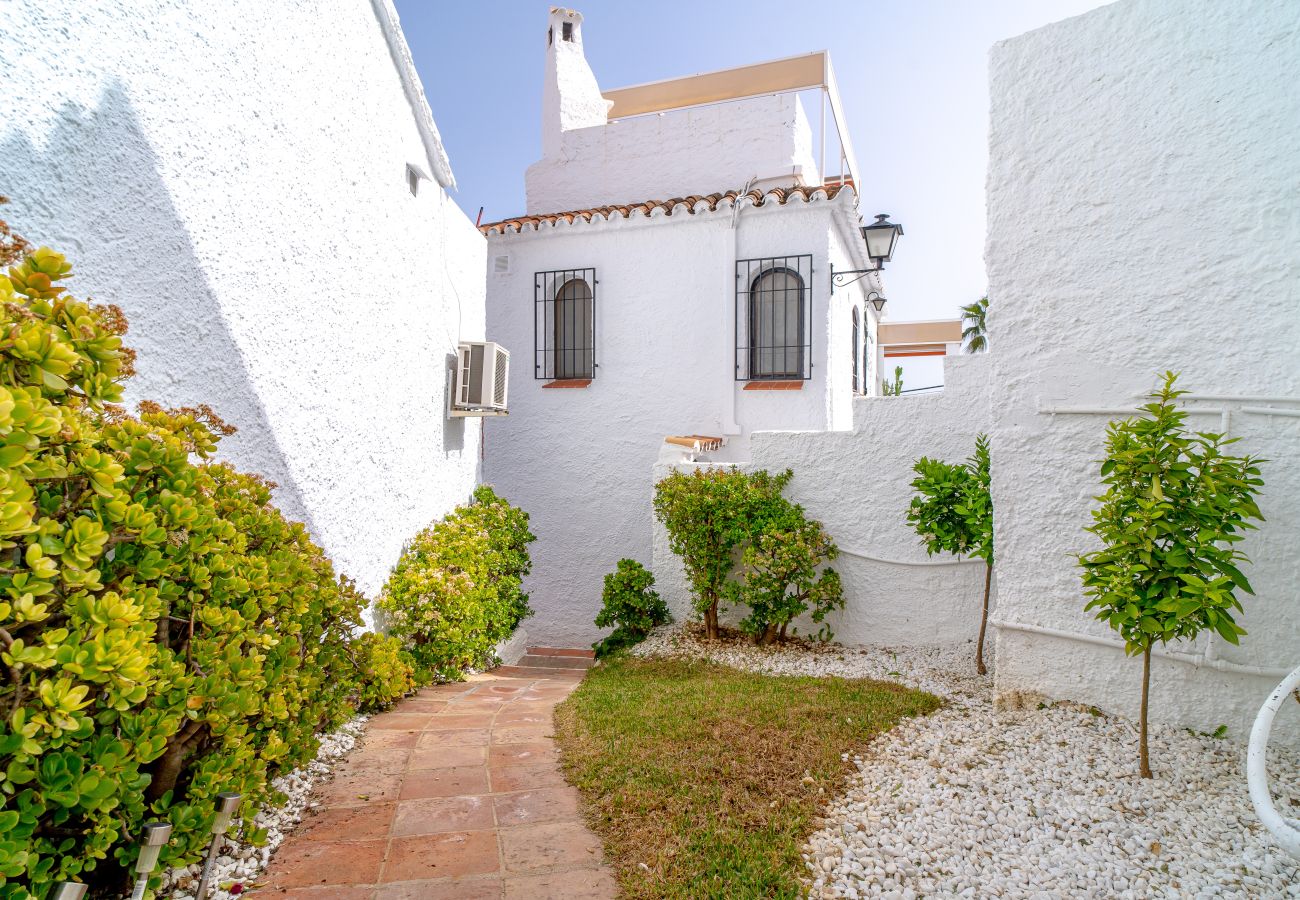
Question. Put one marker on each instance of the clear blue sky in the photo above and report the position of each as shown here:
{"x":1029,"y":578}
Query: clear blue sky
{"x":913,"y":75}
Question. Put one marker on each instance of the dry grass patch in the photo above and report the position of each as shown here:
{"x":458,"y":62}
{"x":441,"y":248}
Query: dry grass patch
{"x":704,"y":781}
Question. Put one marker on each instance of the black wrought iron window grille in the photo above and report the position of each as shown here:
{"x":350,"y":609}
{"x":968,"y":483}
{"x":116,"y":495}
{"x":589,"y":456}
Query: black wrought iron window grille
{"x":774,"y":318}
{"x":854,"y":352}
{"x":564,"y":324}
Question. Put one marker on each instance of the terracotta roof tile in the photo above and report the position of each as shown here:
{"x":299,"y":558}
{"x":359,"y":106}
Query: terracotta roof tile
{"x":691,"y":204}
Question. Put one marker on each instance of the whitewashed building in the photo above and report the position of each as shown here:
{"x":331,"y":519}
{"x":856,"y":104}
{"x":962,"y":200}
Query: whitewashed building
{"x":671,"y":277}
{"x":1127,"y":206}
{"x":275,"y":221}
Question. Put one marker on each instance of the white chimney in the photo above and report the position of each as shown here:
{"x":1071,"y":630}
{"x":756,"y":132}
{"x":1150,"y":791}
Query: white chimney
{"x":572,"y":98}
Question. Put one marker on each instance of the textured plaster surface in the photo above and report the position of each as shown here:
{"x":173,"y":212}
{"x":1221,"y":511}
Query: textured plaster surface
{"x":857,"y":483}
{"x":1143,"y":216}
{"x":570,"y":96}
{"x":675,"y":154}
{"x":580,"y":460}
{"x":246,"y":204}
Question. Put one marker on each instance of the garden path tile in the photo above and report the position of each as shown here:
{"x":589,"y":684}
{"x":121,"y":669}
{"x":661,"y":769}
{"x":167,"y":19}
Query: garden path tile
{"x":450,"y":757}
{"x":452,"y":854}
{"x":441,"y":814}
{"x":595,"y":883}
{"x":460,"y":737}
{"x":460,"y":782}
{"x":487,"y":887}
{"x":530,"y":848}
{"x":558,"y":804}
{"x":304,"y":863}
{"x":455,"y":793}
{"x":507,"y":779}
{"x":347,"y":823}
{"x":529,"y":753}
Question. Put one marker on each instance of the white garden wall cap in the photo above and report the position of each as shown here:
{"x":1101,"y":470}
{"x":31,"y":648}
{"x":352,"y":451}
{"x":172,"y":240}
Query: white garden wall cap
{"x":696,"y":203}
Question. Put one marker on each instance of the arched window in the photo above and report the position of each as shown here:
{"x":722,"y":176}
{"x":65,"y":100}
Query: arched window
{"x":854,"y":355}
{"x":573,"y":339}
{"x":776,"y":325}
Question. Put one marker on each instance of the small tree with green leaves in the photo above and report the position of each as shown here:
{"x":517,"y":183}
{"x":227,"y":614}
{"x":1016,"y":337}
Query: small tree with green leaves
{"x":783,"y":576}
{"x":953,"y":512}
{"x":1174,"y":508}
{"x":630,"y":605}
{"x":709,"y":514}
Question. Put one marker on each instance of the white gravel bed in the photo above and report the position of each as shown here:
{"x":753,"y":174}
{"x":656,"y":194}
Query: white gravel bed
{"x":1035,"y":801}
{"x":240,"y":864}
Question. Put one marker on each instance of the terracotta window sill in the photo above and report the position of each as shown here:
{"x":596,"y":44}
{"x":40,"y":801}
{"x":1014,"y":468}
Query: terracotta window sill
{"x":774,"y":386}
{"x":568,"y":383}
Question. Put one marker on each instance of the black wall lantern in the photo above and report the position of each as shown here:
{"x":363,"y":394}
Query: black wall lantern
{"x":881,"y":237}
{"x":877,"y":301}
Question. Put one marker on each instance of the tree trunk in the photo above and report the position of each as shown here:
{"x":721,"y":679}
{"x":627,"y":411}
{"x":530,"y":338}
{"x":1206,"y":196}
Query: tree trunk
{"x":984,"y":620}
{"x":766,"y":636}
{"x":168,"y":766}
{"x":1144,"y":759}
{"x":711,"y":621}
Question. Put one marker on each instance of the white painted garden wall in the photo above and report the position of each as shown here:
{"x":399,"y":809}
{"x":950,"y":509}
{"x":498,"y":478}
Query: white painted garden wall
{"x":246,"y":202}
{"x":578,"y":459}
{"x":857,"y":483}
{"x":1143,"y":216}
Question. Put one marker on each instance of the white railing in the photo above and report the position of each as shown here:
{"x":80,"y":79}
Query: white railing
{"x":1287,"y":831}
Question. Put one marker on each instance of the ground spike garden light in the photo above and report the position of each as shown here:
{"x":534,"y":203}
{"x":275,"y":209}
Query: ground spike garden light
{"x":155,"y":835}
{"x":68,"y":890}
{"x":227,"y":806}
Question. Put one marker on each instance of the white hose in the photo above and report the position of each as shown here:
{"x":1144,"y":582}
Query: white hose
{"x":1287,"y":831}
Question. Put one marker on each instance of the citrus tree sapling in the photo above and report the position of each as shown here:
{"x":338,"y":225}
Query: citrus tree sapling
{"x":953,"y":512}
{"x":1175,"y":507}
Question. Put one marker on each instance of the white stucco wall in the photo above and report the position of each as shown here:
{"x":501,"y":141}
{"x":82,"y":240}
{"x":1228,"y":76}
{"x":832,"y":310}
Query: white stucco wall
{"x":579,"y":460}
{"x":245,"y":201}
{"x":857,"y":483}
{"x":681,"y":153}
{"x":1143,"y":216}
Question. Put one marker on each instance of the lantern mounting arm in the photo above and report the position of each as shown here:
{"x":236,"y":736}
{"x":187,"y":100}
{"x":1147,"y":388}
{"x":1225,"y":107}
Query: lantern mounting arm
{"x":842,"y":278}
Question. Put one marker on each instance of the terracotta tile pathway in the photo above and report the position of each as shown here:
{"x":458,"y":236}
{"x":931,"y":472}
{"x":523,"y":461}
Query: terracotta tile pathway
{"x":456,"y":793}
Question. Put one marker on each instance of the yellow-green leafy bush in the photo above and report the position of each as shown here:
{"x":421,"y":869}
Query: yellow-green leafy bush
{"x":165,"y":633}
{"x":385,"y":671}
{"x":456,"y":590}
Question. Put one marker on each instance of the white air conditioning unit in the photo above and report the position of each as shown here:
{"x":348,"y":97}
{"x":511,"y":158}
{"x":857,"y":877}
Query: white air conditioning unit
{"x":478,"y":384}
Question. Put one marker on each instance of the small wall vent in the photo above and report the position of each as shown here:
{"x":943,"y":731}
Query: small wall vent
{"x":414,"y":175}
{"x":501,"y":265}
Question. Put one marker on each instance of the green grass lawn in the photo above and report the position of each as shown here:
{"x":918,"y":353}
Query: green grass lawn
{"x":704,"y":781}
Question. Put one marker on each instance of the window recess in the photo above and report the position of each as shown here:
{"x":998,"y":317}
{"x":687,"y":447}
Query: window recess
{"x":774,"y":318}
{"x":564,"y":324}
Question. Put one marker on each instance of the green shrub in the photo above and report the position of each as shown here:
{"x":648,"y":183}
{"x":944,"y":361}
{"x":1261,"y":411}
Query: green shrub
{"x":455,"y":592}
{"x":953,"y":512}
{"x":630,"y":605}
{"x":783,"y":577}
{"x":386,"y":672}
{"x":166,"y":633}
{"x":1175,"y":506}
{"x":508,"y":559}
{"x":709,"y":514}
